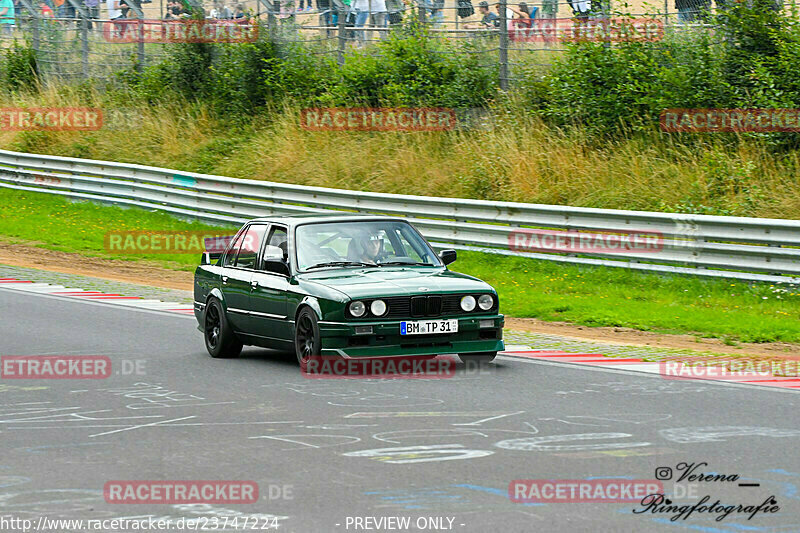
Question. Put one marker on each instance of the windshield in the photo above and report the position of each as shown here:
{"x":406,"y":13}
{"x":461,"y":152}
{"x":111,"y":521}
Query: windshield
{"x":369,"y":243}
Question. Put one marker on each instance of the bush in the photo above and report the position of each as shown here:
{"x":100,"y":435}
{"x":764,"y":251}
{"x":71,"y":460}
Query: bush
{"x":19,"y":68}
{"x":407,"y":69}
{"x":747,"y":61}
{"x":410,"y":68}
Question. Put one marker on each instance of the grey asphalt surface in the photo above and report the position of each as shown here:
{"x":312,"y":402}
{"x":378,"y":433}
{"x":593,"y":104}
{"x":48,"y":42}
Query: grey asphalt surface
{"x":317,"y":447}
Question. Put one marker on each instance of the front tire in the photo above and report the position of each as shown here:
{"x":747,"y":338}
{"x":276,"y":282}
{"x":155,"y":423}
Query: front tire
{"x":306,"y":337}
{"x":221,"y":341}
{"x":478,"y":357}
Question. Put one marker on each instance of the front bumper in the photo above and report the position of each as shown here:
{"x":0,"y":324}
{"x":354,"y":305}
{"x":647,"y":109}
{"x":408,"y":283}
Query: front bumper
{"x":340,"y":338}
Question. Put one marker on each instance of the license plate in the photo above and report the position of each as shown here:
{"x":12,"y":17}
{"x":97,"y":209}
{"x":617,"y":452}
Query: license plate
{"x":423,"y":327}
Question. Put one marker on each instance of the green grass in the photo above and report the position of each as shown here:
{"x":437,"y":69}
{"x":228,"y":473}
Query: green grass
{"x":596,"y":296}
{"x":599,"y":296}
{"x":59,"y":224}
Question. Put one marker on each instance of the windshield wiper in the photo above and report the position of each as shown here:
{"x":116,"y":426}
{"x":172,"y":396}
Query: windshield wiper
{"x":341,"y":263}
{"x":413,"y":263}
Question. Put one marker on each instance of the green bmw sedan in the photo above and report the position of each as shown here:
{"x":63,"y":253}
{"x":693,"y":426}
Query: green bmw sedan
{"x":353,"y":286}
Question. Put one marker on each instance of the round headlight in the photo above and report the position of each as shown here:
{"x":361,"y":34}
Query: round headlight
{"x":468,"y":303}
{"x":485,"y":302}
{"x":358,"y":309}
{"x":378,"y":307}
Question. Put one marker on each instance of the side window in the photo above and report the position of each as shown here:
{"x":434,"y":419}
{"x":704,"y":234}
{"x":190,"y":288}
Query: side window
{"x":278,"y":237}
{"x":230,"y":256}
{"x":251,"y":243}
{"x":410,"y":247}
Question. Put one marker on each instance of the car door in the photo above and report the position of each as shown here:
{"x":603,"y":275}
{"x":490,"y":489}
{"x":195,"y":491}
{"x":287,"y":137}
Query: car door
{"x":237,"y":274}
{"x":268,"y":292}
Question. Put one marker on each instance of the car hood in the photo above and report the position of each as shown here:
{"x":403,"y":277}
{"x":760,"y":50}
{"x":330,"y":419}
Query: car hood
{"x":395,"y":281}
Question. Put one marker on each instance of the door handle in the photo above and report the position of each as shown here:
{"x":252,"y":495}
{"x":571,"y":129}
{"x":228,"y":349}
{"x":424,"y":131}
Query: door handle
{"x":254,"y":284}
{"x":224,"y":280}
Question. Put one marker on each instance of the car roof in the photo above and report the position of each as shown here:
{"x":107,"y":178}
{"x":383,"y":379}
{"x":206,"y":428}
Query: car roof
{"x":306,"y":218}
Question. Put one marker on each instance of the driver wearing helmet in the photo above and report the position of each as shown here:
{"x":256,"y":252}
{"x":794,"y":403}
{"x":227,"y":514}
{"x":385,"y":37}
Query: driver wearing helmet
{"x":365,"y":248}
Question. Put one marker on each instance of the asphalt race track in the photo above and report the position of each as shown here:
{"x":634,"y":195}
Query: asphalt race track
{"x":347,"y":454}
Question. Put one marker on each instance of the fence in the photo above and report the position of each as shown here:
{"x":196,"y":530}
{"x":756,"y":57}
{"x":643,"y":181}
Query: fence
{"x":75,"y":43}
{"x":733,"y":247}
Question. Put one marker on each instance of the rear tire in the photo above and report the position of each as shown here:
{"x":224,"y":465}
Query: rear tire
{"x":221,"y":341}
{"x":478,"y":357}
{"x":306,"y":337}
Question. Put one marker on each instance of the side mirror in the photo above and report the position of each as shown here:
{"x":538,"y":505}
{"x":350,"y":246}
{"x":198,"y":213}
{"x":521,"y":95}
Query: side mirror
{"x":209,"y":258}
{"x":447,"y":256}
{"x":273,"y":253}
{"x":274,"y":260}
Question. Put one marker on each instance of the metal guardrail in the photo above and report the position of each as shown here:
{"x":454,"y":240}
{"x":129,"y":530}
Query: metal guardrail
{"x":734,"y":247}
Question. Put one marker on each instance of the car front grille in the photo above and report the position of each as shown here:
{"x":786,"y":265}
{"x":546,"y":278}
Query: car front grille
{"x":433,"y":305}
{"x":425,"y":306}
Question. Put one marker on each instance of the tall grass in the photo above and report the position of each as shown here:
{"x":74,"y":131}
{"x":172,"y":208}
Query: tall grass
{"x":583,"y":133}
{"x":521,"y":159}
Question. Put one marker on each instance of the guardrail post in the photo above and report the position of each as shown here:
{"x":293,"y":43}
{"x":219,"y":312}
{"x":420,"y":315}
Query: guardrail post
{"x":503,"y":46}
{"x":80,"y":10}
{"x":271,"y":22}
{"x":85,"y":47}
{"x":340,"y":22}
{"x":137,"y":11}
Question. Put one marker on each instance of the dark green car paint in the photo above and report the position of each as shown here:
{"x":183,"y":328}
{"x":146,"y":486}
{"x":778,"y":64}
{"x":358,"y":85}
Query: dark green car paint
{"x":262,"y":306}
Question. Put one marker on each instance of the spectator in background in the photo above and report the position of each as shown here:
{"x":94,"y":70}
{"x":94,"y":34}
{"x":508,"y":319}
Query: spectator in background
{"x":300,"y":9}
{"x":66,"y":10}
{"x":127,"y":11}
{"x":114,"y":9}
{"x":360,"y":8}
{"x":93,"y":10}
{"x":46,"y":10}
{"x":325,"y":14}
{"x":581,"y":9}
{"x":464,"y":9}
{"x":174,"y":10}
{"x":7,"y":17}
{"x":220,"y":11}
{"x":349,"y":15}
{"x":488,"y":19}
{"x":523,"y":16}
{"x":238,"y":13}
{"x":436,"y":13}
{"x":509,"y":15}
{"x":56,"y":5}
{"x":378,"y":16}
{"x":394,"y":11}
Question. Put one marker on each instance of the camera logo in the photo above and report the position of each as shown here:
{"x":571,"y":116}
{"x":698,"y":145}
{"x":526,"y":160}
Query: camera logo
{"x":663,"y":473}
